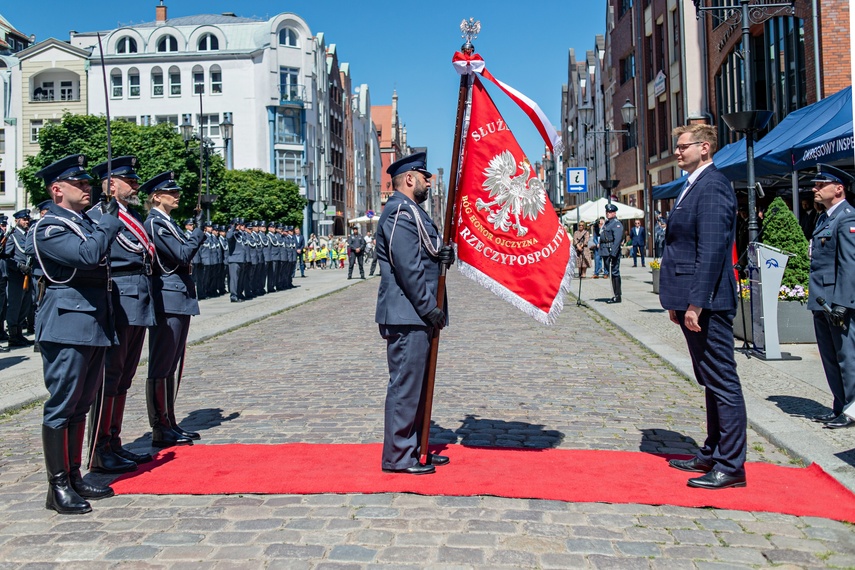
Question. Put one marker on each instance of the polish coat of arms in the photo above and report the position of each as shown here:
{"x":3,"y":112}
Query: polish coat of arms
{"x":514,"y":196}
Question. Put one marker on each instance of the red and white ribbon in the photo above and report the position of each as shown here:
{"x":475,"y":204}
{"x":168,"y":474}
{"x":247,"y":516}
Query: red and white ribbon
{"x":465,"y":64}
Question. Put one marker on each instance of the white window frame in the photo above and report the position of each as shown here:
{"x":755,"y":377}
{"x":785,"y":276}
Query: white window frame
{"x":173,"y":92}
{"x":36,"y":125}
{"x":155,"y":85}
{"x":170,"y":44}
{"x":134,"y":87}
{"x":66,"y":90}
{"x":216,"y":85}
{"x":116,"y":86}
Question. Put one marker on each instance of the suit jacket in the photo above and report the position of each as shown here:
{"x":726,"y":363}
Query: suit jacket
{"x":236,"y":240}
{"x":73,"y":248}
{"x":638,"y":235}
{"x":409,"y":276}
{"x":132,"y":294}
{"x":832,"y":261}
{"x":174,"y":291}
{"x":697,"y":266}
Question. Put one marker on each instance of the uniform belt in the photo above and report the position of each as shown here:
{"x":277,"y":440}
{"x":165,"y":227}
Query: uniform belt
{"x":94,"y":282}
{"x":128,"y":272}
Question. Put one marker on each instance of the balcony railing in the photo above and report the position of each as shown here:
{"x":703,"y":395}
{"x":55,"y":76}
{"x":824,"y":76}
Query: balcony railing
{"x":292,"y":95}
{"x":49,"y":98}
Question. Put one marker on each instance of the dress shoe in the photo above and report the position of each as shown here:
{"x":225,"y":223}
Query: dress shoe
{"x":613,"y":300}
{"x":234,"y":299}
{"x":694,"y":464}
{"x":717,"y":480}
{"x":595,"y":277}
{"x":825,"y":418}
{"x":417,"y":469}
{"x":840,"y":421}
{"x":438,"y":459}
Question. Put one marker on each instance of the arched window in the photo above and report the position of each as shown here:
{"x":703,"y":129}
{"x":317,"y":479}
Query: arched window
{"x":133,"y":83}
{"x":216,"y":80}
{"x":209,"y":42}
{"x":288,"y":37}
{"x":174,"y":82}
{"x":167,"y":43}
{"x":116,"y":84}
{"x":156,"y":82}
{"x":126,"y":45}
{"x":198,"y":79}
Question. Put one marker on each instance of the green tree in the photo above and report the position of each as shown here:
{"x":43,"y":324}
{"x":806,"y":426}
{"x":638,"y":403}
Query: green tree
{"x":258,"y":195}
{"x":159,"y":148}
{"x":782,"y":230}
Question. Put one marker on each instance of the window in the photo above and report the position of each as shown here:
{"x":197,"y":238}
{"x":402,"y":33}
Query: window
{"x":209,"y":42}
{"x":288,"y":127}
{"x":156,"y":82}
{"x":649,"y":73}
{"x":145,"y":120}
{"x":168,"y":119}
{"x":126,"y":119}
{"x":624,"y":7}
{"x":126,"y":45}
{"x":66,"y":90}
{"x":216,"y":80}
{"x":288,"y":165}
{"x":289,"y":90}
{"x":627,"y":68}
{"x":664,"y":126}
{"x":35,"y":127}
{"x":288,"y":37}
{"x":209,"y":125}
{"x":116,"y":84}
{"x":174,"y":82}
{"x":47,"y":90}
{"x":2,"y":181}
{"x":198,"y":80}
{"x":675,"y":37}
{"x":2,"y":141}
{"x":660,"y":47}
{"x":167,"y":43}
{"x":133,"y":83}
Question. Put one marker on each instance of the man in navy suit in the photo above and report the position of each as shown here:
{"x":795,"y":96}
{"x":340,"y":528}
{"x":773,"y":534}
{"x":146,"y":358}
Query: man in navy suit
{"x":410,"y":251}
{"x":697,"y":286}
{"x":832,"y":273}
{"x":639,"y":241}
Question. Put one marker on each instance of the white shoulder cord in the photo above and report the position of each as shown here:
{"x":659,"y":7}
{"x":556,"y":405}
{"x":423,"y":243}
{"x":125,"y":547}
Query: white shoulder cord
{"x":424,"y":238}
{"x":73,"y":227}
{"x":157,"y":257}
{"x":129,"y":245}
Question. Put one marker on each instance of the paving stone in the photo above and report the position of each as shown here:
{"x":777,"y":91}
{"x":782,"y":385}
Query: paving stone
{"x":618,"y":563}
{"x":640,"y":549}
{"x":589,"y":546}
{"x":352,"y":553}
{"x":468,"y":556}
{"x":798,"y":557}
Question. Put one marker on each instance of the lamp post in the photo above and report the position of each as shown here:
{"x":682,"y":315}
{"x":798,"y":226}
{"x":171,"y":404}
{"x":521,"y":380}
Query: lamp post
{"x":587,"y":115}
{"x":748,"y":121}
{"x":206,"y":145}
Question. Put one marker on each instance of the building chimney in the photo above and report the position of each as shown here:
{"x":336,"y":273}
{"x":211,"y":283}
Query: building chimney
{"x":160,"y":13}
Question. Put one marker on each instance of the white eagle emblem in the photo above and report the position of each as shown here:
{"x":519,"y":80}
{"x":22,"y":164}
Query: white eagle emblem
{"x":514,"y":195}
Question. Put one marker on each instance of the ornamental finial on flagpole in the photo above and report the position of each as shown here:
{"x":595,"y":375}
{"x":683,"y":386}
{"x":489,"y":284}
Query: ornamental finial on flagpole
{"x":470,"y":30}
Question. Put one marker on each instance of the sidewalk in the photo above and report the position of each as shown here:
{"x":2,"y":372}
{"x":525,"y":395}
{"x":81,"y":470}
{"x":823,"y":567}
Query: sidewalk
{"x":22,"y":382}
{"x":780,"y":395}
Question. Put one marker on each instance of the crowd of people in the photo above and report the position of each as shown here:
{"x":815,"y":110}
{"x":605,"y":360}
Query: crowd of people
{"x":632,"y":243}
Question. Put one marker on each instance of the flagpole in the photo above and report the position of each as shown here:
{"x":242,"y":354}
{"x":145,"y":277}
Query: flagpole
{"x":430,"y":380}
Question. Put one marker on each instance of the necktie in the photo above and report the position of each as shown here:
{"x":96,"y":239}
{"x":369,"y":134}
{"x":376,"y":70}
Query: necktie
{"x":820,"y":221}
{"x":683,"y":193}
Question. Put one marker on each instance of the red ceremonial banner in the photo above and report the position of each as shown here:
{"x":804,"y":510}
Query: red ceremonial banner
{"x":508,"y":236}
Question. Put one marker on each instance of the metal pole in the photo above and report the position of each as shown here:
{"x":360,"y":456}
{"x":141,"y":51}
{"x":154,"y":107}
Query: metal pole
{"x":207,"y":184}
{"x":608,"y":163}
{"x":748,"y":105}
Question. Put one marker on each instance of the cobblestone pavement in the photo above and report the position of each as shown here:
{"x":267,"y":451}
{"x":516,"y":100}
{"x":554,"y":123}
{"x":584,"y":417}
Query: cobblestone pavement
{"x":316,"y":373}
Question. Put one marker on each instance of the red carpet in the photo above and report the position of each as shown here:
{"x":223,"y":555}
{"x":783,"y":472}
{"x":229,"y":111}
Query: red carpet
{"x":555,"y":474}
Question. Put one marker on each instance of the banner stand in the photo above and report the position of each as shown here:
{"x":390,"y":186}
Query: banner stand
{"x":766,"y":266}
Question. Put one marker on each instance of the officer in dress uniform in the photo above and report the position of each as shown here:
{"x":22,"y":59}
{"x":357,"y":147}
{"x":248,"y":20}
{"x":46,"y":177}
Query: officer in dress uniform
{"x":356,"y":252}
{"x":20,"y":280}
{"x":832,"y":274}
{"x":174,"y":303}
{"x":274,"y":265}
{"x":237,"y":258}
{"x":222,"y":254}
{"x":131,"y":257}
{"x":36,"y":274}
{"x":266,"y":250}
{"x":250,"y":291}
{"x":407,"y":311}
{"x":290,"y":256}
{"x":4,"y":278}
{"x":206,"y":255}
{"x":611,"y":238}
{"x":73,"y":326}
{"x":197,"y":271}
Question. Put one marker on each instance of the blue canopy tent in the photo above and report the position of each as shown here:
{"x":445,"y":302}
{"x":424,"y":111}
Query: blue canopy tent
{"x":669,"y":189}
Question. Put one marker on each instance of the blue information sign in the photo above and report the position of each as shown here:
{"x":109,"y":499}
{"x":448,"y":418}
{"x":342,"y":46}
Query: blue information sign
{"x":577,"y":180}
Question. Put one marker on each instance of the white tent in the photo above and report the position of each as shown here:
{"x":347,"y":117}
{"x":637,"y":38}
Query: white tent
{"x":361,"y":220}
{"x":591,"y":211}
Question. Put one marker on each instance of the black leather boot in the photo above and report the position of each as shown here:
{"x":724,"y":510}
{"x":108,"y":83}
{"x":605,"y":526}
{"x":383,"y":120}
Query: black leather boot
{"x":75,"y":451}
{"x":171,"y":392}
{"x":104,"y":460}
{"x":615,"y":289}
{"x":116,"y":431}
{"x":61,"y":496}
{"x":17,"y":338}
{"x":162,"y":434}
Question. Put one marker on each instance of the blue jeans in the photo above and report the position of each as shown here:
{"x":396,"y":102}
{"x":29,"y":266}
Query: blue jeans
{"x":598,"y":262}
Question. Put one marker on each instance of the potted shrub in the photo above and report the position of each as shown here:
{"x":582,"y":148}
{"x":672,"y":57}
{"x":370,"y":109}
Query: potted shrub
{"x":654,"y":270}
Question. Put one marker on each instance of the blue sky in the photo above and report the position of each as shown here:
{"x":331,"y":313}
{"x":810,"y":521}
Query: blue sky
{"x":393,"y":45}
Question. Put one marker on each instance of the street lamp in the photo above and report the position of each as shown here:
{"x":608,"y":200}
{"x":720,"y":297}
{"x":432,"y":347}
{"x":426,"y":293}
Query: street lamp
{"x":628,"y":114}
{"x":227,"y":131}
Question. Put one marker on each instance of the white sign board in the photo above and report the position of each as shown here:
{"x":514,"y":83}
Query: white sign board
{"x":577,"y":180}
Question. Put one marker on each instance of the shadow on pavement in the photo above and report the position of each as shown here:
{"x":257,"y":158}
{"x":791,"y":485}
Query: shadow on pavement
{"x":206,"y":418}
{"x":656,"y":440}
{"x":847,"y":456}
{"x":798,"y":407}
{"x":484,"y":432}
{"x":11,"y":361}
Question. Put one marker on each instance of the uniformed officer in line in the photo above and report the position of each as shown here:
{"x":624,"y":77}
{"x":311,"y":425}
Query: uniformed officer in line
{"x":274,"y":264}
{"x":20,"y":280}
{"x":36,"y":274}
{"x":237,"y":258}
{"x":611,"y":238}
{"x":131,"y":259}
{"x":175,"y":302}
{"x":832,"y":275}
{"x":356,"y":252}
{"x":300,"y":247}
{"x":4,"y":278}
{"x":222,"y":255}
{"x":196,"y":269}
{"x":206,"y":257}
{"x":289,"y":245}
{"x":265,"y":250}
{"x":407,"y":310}
{"x":251,"y":243}
{"x":73,"y":326}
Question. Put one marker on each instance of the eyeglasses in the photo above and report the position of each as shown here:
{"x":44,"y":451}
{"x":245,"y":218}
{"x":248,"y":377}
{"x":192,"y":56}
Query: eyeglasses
{"x":685,"y":147}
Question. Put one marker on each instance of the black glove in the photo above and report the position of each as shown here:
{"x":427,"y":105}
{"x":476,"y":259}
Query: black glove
{"x":111,"y":208}
{"x":435,"y":317}
{"x":446,"y":255}
{"x":25,"y":268}
{"x":198,"y":219}
{"x":838,"y":316}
